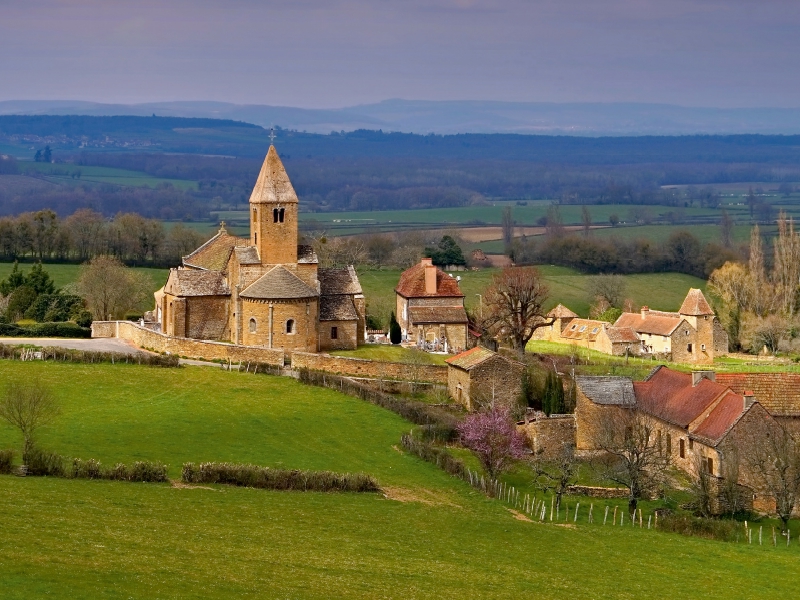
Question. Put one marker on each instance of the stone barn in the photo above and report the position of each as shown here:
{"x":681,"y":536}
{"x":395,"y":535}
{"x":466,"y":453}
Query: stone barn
{"x":479,"y":376}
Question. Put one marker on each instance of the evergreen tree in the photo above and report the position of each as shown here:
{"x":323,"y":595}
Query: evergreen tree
{"x":47,"y":155}
{"x":40,"y":280}
{"x":395,"y":335}
{"x":447,"y":252}
{"x":38,"y":156}
{"x":14,"y":280}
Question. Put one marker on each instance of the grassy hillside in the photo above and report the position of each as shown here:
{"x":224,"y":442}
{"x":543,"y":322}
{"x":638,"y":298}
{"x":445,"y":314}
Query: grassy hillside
{"x":429,"y":536}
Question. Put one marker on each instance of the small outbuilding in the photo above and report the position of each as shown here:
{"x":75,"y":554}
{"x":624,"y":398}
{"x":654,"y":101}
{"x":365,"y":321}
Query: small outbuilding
{"x":480,"y":376}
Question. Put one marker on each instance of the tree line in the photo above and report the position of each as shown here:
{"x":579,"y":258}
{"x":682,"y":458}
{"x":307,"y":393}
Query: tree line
{"x":85,"y":234}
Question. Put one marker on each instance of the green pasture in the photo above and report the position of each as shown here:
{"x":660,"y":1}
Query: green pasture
{"x":388,"y":353}
{"x":660,"y":291}
{"x":64,"y":274}
{"x":660,"y":233}
{"x":428,"y":535}
{"x":68,"y":173}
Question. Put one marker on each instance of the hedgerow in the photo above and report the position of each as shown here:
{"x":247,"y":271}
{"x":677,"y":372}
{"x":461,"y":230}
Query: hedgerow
{"x":6,"y":460}
{"x":59,"y":329}
{"x":86,"y":356}
{"x":277,"y":479}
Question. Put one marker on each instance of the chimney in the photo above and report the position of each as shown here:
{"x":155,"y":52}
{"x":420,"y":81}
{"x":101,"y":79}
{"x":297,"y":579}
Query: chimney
{"x":697,"y":376}
{"x":749,"y":398}
{"x":645,"y":310}
{"x":430,"y":276}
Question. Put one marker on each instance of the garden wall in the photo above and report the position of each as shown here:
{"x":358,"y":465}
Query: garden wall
{"x":360,"y":367}
{"x":548,"y":435}
{"x":201,"y":349}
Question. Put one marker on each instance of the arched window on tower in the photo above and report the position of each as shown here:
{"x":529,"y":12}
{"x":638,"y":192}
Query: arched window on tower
{"x":255,"y":215}
{"x":274,"y":215}
{"x":252,"y":325}
{"x":280,"y":215}
{"x":290,"y":326}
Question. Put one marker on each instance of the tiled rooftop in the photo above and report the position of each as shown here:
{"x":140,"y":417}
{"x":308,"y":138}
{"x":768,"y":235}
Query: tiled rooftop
{"x":412,"y":284}
{"x":437,"y":314}
{"x":278,"y":284}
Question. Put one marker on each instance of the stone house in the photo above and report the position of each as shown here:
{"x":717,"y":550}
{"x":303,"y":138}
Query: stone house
{"x":266,"y":290}
{"x":691,"y":335}
{"x":778,"y":393}
{"x":480,"y":376}
{"x":430,"y":309}
{"x":699,"y":422}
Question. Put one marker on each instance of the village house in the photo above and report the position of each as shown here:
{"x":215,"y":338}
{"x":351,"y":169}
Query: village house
{"x":778,"y":393}
{"x":691,"y":335}
{"x":699,"y":422}
{"x":479,"y":377}
{"x":430,"y":309}
{"x":266,"y":290}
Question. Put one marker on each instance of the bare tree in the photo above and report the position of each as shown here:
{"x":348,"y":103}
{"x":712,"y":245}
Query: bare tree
{"x":515,"y":305}
{"x":786,"y":267}
{"x":110,"y":288}
{"x":611,"y":288}
{"x":586,"y":221}
{"x":557,"y":474}
{"x":554,"y":226}
{"x":773,"y":461}
{"x":703,"y":489}
{"x":631,"y":453}
{"x":507,"y":223}
{"x":731,"y":495}
{"x":28,"y":407}
{"x":726,"y":229}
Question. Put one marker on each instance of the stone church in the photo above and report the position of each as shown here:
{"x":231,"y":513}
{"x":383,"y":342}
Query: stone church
{"x":267,"y":290}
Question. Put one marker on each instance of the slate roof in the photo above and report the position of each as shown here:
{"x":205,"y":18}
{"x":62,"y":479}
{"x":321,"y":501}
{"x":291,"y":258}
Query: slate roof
{"x":412,"y":284}
{"x":437,"y":314}
{"x":193,"y":282}
{"x":338,"y":281}
{"x":278,"y":284}
{"x":337,"y":308}
{"x":607,"y":389}
{"x":561,"y":312}
{"x":654,"y":322}
{"x":583,"y":329}
{"x":306,"y":254}
{"x":779,"y":393}
{"x":247,"y":255}
{"x":214,"y":254}
{"x":471,"y":358}
{"x":695,"y":304}
{"x":273,"y":183}
{"x":622,"y":335}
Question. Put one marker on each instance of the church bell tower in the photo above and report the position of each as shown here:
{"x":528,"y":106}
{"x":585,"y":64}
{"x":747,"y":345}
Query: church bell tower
{"x":273,"y":213}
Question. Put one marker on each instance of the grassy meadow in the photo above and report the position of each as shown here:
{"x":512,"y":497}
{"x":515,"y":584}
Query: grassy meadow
{"x":427,"y":535}
{"x":69,"y":173}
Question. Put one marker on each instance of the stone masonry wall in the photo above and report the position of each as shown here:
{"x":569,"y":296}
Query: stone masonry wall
{"x":369,"y":368}
{"x":547,"y":435}
{"x":159,"y":342}
{"x":346,"y":335}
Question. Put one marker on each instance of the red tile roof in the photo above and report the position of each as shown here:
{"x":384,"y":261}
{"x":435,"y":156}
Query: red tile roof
{"x":720,"y":420}
{"x":779,"y":393}
{"x":412,"y":284}
{"x":654,"y":322}
{"x":583,"y":329}
{"x":670,"y":396}
{"x":471,"y":358}
{"x":437,"y":314}
{"x":622,"y":335}
{"x":695,"y":304}
{"x":561,"y":312}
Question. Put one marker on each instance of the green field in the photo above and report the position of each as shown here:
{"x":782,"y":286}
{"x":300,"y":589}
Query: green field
{"x":68,"y":173}
{"x":433,"y":536}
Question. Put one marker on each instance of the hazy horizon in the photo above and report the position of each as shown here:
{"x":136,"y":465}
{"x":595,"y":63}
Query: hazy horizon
{"x":346,"y":53}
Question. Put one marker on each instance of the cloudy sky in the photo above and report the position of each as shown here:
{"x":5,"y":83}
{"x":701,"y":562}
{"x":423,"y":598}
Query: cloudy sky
{"x":334,"y":53}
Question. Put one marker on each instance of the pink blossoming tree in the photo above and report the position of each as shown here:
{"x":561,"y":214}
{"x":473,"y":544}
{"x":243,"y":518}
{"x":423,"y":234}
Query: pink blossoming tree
{"x":493,"y":436}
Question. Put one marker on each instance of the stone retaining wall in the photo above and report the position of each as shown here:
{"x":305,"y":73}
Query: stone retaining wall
{"x":597,"y":492}
{"x":360,"y":367}
{"x":548,"y":435}
{"x":200,"y":349}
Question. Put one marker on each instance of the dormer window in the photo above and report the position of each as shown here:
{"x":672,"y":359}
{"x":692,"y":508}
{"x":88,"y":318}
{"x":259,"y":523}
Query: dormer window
{"x":583,"y":328}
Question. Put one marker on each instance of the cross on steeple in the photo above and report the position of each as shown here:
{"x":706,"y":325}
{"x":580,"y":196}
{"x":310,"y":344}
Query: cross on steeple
{"x":272,"y":136}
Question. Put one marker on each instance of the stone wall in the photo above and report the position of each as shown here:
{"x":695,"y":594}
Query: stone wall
{"x":360,"y":367}
{"x":588,"y":417}
{"x":346,"y":335}
{"x":256,"y":323}
{"x":201,"y":349}
{"x":548,"y":435}
{"x":597,"y":492}
{"x":206,"y":318}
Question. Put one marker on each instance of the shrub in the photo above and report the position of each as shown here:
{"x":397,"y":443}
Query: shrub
{"x":436,"y":455}
{"x":88,"y":356}
{"x":716,"y":529}
{"x":277,"y":479}
{"x":65,"y":330}
{"x":153,"y":472}
{"x":6,"y":460}
{"x":43,"y":463}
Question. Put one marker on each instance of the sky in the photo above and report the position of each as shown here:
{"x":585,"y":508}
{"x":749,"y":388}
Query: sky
{"x":336,"y":53}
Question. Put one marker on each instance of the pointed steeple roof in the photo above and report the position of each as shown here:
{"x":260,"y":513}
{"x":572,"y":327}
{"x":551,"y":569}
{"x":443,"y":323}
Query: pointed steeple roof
{"x":273,"y":183}
{"x":695,"y":304}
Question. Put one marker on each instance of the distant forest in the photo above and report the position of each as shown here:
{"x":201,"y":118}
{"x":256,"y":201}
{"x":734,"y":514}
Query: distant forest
{"x":370,"y":170}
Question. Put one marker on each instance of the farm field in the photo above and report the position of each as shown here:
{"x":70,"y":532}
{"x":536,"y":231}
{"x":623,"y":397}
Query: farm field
{"x":68,"y":173}
{"x":428,"y":536}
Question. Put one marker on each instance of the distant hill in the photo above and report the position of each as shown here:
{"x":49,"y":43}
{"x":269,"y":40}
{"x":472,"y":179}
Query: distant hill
{"x":417,"y":116}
